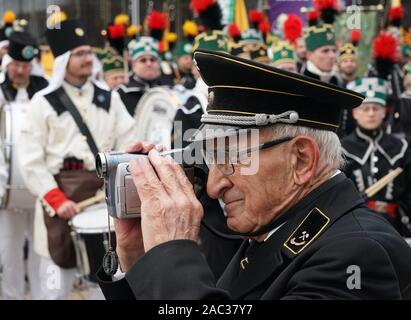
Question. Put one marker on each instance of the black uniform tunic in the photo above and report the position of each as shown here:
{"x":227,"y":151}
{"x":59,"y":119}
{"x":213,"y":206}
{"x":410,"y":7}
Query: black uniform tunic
{"x":329,"y":233}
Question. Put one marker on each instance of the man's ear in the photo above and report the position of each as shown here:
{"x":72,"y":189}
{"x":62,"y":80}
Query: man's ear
{"x":306,"y":156}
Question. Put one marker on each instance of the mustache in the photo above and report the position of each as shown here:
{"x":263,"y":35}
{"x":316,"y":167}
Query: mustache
{"x":87,"y":64}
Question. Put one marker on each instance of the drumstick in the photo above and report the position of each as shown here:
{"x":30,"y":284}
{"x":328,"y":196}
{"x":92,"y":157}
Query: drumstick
{"x":90,"y":201}
{"x":382,"y":182}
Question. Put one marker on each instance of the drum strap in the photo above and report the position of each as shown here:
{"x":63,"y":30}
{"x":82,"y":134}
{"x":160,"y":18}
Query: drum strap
{"x":66,"y":101}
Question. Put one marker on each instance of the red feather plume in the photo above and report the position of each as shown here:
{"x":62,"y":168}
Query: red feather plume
{"x":312,"y":15}
{"x":385,"y":47}
{"x":233,"y":30}
{"x":116,"y":31}
{"x":256,"y":16}
{"x":157,"y":20}
{"x":355,"y":36}
{"x":396,"y":13}
{"x":320,"y":5}
{"x":293,"y":28}
{"x":264,"y":27}
{"x":201,"y":5}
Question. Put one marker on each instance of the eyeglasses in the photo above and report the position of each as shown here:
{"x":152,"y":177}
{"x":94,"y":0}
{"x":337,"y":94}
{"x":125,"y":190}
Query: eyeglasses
{"x":82,"y":53}
{"x":225,"y":160}
{"x":145,"y":60}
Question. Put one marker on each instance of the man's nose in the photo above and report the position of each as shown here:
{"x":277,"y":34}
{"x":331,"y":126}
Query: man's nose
{"x":89,"y":58}
{"x":217,"y":183}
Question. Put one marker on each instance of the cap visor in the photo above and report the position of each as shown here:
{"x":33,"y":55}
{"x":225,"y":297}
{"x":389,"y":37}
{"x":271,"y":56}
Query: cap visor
{"x":213,"y":131}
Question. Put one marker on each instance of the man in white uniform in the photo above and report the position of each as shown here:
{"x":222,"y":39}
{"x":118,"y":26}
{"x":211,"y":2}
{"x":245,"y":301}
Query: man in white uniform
{"x":52,"y":141}
{"x":17,"y":87}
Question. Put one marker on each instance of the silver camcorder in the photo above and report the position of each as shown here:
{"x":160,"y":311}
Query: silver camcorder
{"x":121,"y":194}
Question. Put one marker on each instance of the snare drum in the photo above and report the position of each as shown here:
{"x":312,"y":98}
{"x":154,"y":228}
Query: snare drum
{"x":155,"y":114}
{"x":16,"y":195}
{"x":90,"y":237}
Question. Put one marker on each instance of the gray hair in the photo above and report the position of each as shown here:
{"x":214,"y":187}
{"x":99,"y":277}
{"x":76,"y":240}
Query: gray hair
{"x":331,"y":153}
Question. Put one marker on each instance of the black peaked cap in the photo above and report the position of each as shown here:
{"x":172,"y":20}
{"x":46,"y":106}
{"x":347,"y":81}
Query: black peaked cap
{"x":240,"y":87}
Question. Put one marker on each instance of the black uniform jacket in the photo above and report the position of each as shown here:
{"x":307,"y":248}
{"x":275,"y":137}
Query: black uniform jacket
{"x":373,"y":154}
{"x":36,"y":84}
{"x":131,"y":93}
{"x":332,"y":247}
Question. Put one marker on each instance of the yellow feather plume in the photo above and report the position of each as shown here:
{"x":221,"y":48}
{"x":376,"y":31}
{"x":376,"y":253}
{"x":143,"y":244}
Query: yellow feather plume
{"x":133,"y":30}
{"x":171,"y":37}
{"x":122,"y":18}
{"x":9,"y":17}
{"x":190,"y":28}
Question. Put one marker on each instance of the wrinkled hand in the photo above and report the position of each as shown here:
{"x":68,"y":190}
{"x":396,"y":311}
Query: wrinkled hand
{"x":169,"y":207}
{"x":68,"y":210}
{"x":128,"y":231}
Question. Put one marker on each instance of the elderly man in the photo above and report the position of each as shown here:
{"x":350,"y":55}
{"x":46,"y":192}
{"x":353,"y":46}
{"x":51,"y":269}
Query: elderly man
{"x":306,"y":227}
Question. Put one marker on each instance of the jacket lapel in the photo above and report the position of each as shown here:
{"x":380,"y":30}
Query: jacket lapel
{"x":266,"y":261}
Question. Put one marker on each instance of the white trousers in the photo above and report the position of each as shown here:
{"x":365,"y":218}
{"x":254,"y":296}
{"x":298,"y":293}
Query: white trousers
{"x":56,"y":282}
{"x":15,"y":228}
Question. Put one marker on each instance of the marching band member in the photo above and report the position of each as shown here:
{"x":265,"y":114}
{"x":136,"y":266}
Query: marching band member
{"x":146,"y":72}
{"x":321,"y":54}
{"x":8,"y":18}
{"x":53,"y":146}
{"x":372,"y":153}
{"x":113,"y":71}
{"x":18,"y":86}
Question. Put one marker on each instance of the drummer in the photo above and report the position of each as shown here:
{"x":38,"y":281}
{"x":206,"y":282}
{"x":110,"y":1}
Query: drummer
{"x":145,"y":72}
{"x":52,"y":146}
{"x":18,"y":87}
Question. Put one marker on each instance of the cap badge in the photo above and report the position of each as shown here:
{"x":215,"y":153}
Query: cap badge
{"x":330,"y":36}
{"x":188,"y":48}
{"x":8,"y":31}
{"x":79,"y":32}
{"x":370,"y":94}
{"x":210,"y":97}
{"x":28,"y":52}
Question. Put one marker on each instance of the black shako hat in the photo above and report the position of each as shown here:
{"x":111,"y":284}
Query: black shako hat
{"x":70,"y":35}
{"x":22,"y":46}
{"x":245,"y":94}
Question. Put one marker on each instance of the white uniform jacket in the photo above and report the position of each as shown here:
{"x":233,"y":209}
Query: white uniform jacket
{"x":50,"y":135}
